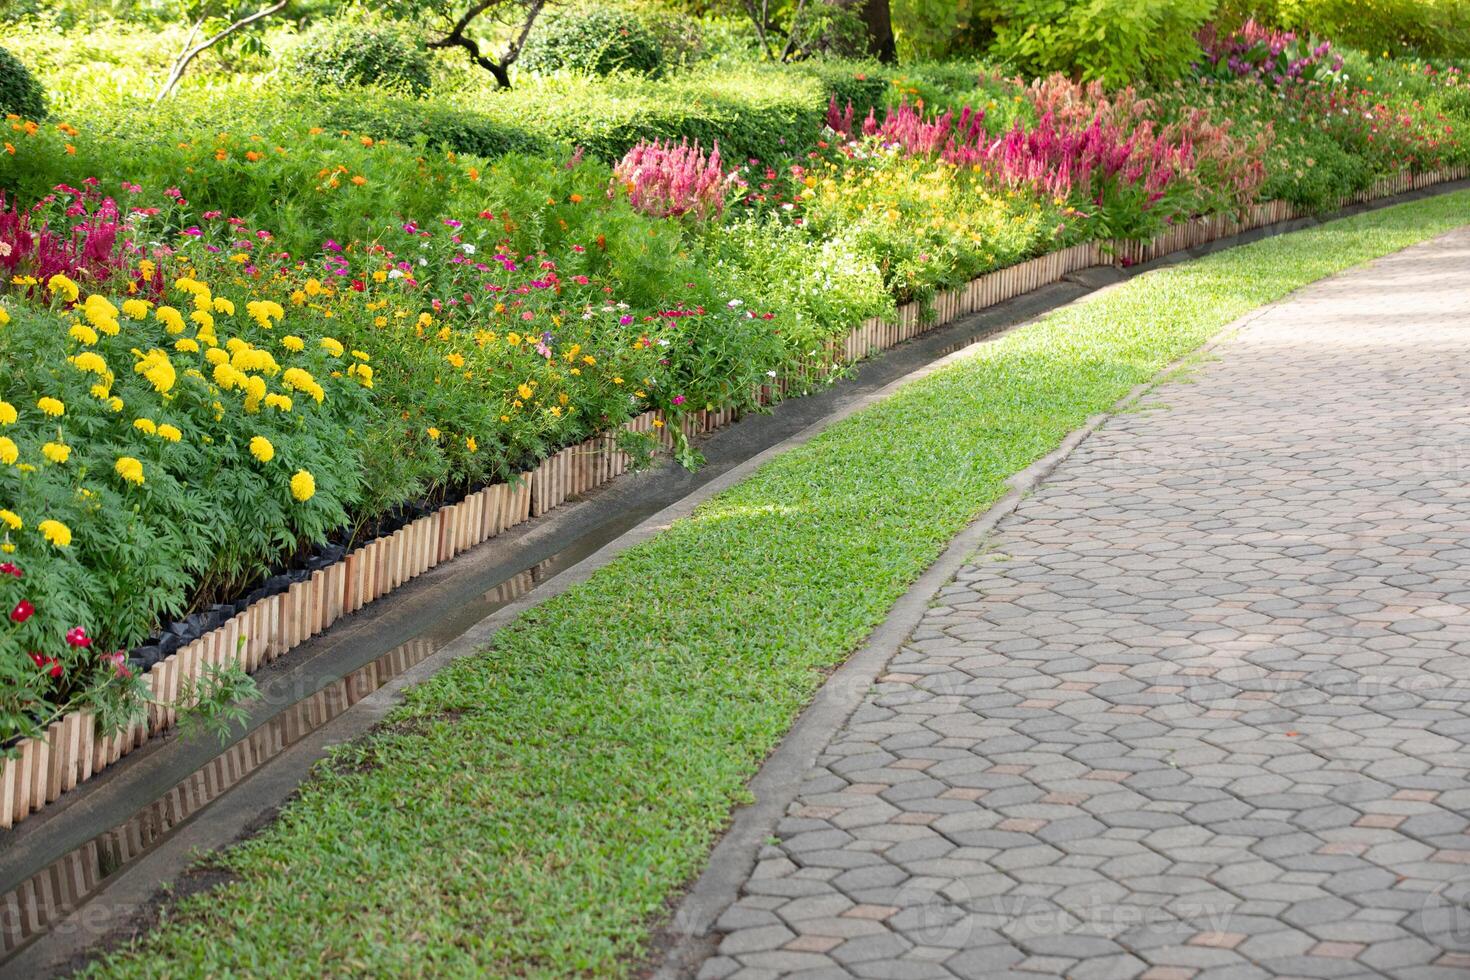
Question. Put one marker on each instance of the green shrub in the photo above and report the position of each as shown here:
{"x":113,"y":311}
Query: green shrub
{"x":352,"y":53}
{"x":1433,"y":28}
{"x":383,"y":115}
{"x":596,"y":40}
{"x":20,"y":93}
{"x":1117,"y":41}
{"x":754,"y":112}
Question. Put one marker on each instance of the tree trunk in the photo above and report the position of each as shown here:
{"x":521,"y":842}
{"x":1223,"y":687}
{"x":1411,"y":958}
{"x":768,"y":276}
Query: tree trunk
{"x":879,"y":20}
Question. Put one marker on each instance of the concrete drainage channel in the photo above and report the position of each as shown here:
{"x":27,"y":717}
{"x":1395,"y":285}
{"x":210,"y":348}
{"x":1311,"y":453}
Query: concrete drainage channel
{"x":77,"y":875}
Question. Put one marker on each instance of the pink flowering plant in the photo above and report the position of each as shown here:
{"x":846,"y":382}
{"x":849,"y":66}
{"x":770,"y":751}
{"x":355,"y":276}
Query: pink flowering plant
{"x":664,"y":179}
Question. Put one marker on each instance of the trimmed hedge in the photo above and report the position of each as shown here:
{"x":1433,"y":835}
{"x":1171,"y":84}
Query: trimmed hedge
{"x":20,"y":93}
{"x":348,"y":53}
{"x":599,"y":40}
{"x":761,"y":112}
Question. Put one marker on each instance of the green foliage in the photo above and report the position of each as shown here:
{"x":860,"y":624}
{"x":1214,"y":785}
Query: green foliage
{"x":937,"y":28}
{"x":760,"y":111}
{"x":20,"y":93}
{"x":387,"y":115}
{"x":569,"y":780}
{"x":1116,"y":41}
{"x":597,"y":40}
{"x":345,"y":53}
{"x":1429,"y":28}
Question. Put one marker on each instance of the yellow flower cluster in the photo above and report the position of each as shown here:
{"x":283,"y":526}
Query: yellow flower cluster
{"x":158,"y":369}
{"x":298,"y":379}
{"x":130,"y":469}
{"x":303,"y":486}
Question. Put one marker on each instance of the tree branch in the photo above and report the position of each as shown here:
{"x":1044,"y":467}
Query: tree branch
{"x":189,"y":54}
{"x":457,"y":38}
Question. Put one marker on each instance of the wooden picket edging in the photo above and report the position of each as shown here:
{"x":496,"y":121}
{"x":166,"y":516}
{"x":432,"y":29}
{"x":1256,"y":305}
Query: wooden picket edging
{"x":72,"y":751}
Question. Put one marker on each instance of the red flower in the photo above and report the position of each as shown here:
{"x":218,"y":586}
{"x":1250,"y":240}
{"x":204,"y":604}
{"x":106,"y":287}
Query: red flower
{"x":23,"y":611}
{"x":78,"y":637}
{"x":119,"y":661}
{"x":8,"y":568}
{"x":50,"y":665}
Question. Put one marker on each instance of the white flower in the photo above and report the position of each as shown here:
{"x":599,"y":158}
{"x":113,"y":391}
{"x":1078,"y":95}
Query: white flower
{"x":423,"y":261}
{"x":468,"y":248}
{"x":395,"y":273}
{"x":733,"y":303}
{"x":770,"y":374}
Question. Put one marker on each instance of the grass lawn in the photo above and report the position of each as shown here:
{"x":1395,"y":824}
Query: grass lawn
{"x":533,"y":807}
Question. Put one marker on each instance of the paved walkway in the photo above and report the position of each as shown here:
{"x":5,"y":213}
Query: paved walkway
{"x":1202,"y":706}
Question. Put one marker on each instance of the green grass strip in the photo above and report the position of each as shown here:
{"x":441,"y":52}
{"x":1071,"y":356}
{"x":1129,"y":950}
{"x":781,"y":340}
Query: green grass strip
{"x":536,"y":806}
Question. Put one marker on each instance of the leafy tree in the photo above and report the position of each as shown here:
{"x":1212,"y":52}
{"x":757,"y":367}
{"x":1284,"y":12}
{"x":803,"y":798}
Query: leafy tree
{"x":219,"y":23}
{"x":464,"y":25}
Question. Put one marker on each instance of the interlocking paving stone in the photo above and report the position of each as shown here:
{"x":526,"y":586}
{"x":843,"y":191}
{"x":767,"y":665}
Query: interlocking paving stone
{"x":1201,"y":708}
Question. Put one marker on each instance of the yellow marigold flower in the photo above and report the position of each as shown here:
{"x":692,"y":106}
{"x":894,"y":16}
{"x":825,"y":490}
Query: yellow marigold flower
{"x":129,"y":469}
{"x":63,"y":287}
{"x":333,"y":346}
{"x":91,"y":363}
{"x":227,"y":377}
{"x":361,"y":355}
{"x":472,"y":445}
{"x":146,"y":268}
{"x":261,"y":449}
{"x":433,"y":432}
{"x":236,"y":344}
{"x":278,"y":402}
{"x":172,"y":319}
{"x":4,"y":316}
{"x":8,"y":451}
{"x":204,"y":319}
{"x":158,"y":369}
{"x":457,"y":360}
{"x":109,"y":327}
{"x":8,"y":414}
{"x":135,"y":309}
{"x":186,"y":345}
{"x":293,"y":343}
{"x":145,"y":425}
{"x":11,"y":519}
{"x":216,"y":356}
{"x":115,"y":403}
{"x":57,"y":533}
{"x":524,"y":391}
{"x":303,"y":486}
{"x":380,"y":276}
{"x":83,"y":334}
{"x":313,"y":287}
{"x":222,"y":305}
{"x":100,"y":391}
{"x":57,"y":452}
{"x":51,"y":407}
{"x":513,"y":338}
{"x":169,"y":432}
{"x":299,"y":298}
{"x":98,"y":310}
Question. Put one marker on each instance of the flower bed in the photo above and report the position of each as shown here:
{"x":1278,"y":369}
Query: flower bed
{"x":72,"y":748}
{"x":209,"y":413}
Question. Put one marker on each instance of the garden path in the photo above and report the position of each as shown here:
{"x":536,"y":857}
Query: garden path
{"x":1200,"y":708}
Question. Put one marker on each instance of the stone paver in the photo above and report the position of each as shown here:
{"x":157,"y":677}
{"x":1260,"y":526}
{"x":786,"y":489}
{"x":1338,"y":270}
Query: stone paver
{"x":1201,"y":709}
